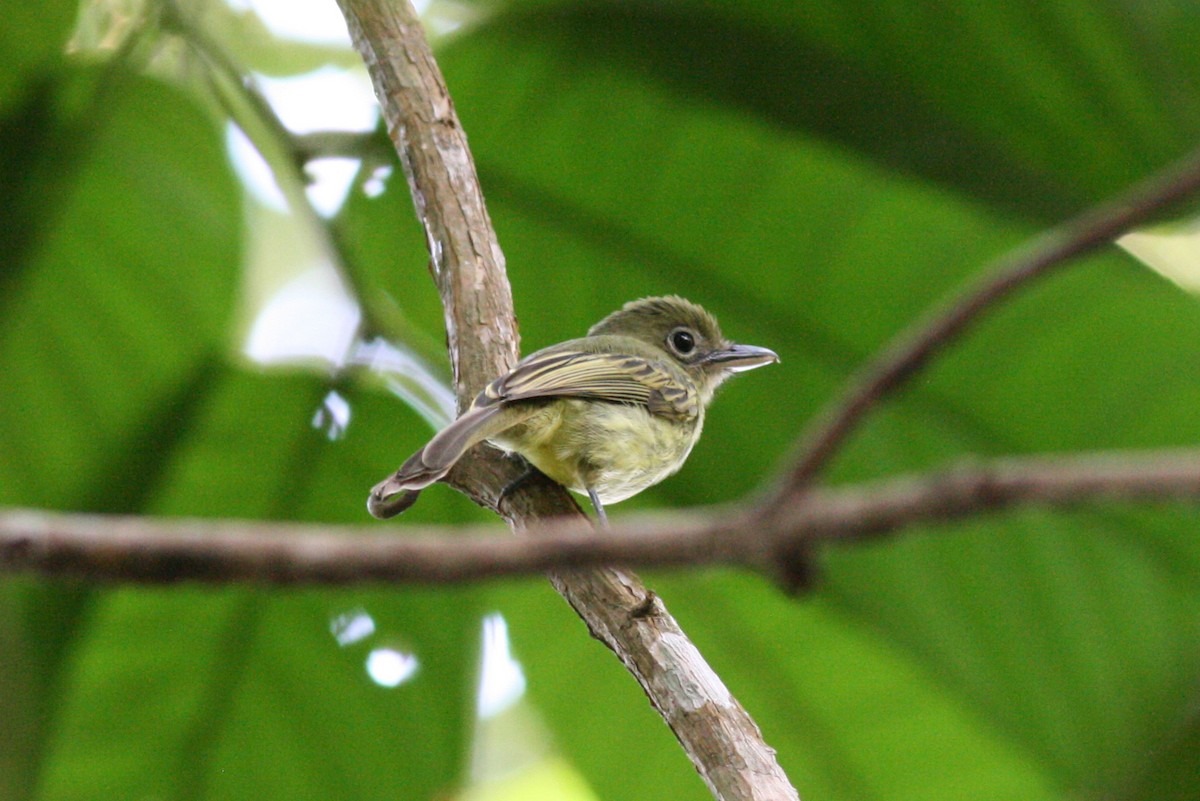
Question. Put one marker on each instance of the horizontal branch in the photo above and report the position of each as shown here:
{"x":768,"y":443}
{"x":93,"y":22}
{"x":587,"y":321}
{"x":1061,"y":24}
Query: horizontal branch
{"x":155,"y":551}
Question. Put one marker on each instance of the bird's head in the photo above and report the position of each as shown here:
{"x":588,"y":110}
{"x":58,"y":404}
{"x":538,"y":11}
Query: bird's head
{"x":688,"y":335}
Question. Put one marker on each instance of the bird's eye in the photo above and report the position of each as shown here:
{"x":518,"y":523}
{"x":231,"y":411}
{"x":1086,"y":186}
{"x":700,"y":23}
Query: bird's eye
{"x":682,"y":341}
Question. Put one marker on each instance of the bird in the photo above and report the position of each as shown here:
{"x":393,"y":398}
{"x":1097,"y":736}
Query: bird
{"x":606,"y":415}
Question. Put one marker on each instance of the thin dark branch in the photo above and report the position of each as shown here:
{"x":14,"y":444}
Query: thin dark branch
{"x":914,"y":348}
{"x":144,"y":550}
{"x":864,"y":511}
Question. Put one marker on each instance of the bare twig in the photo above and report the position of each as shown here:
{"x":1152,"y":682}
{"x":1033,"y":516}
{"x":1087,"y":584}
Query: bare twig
{"x":145,"y":550}
{"x":718,"y":735}
{"x":912,"y":349}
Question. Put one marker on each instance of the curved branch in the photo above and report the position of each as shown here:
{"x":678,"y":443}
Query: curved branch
{"x":912,"y":349}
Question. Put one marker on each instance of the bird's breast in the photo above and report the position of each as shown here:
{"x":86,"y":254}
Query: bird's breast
{"x":615,"y":449}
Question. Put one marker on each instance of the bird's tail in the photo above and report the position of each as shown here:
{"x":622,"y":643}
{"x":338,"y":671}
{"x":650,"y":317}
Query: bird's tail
{"x":399,"y":491}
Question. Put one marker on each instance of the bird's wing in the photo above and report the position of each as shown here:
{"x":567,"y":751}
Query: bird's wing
{"x":613,"y":377}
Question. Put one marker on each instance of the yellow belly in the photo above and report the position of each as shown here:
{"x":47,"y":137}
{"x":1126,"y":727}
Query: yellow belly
{"x":614,"y":449}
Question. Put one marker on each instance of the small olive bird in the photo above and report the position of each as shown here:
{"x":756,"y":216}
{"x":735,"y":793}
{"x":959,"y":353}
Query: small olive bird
{"x":607,"y":415}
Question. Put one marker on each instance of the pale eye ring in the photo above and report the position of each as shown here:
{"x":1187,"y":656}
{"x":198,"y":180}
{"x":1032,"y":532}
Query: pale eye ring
{"x":682,"y":341}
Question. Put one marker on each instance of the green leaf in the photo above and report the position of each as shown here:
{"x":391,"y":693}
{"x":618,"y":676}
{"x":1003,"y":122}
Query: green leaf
{"x":1034,"y":109}
{"x":249,"y":691}
{"x":817,"y":176}
{"x":118,"y":293}
{"x":1048,"y":649}
{"x":113,"y":332}
{"x":31,"y":44}
{"x":120,"y":245}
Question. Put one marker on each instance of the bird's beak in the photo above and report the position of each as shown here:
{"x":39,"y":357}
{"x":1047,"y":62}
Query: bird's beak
{"x":737,"y":358}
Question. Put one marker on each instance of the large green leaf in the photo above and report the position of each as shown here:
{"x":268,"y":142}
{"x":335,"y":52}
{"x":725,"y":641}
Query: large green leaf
{"x":615,"y":168}
{"x":815,"y":175}
{"x":118,"y":296}
{"x":244,"y":692}
{"x":120,"y":259}
{"x":113,"y":335}
{"x":1033,"y":107}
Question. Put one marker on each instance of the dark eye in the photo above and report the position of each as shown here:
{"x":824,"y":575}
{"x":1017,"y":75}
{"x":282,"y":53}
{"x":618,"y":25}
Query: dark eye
{"x":682,"y":341}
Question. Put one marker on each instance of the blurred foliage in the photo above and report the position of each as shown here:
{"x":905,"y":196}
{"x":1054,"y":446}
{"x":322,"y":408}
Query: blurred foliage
{"x":817,"y":175}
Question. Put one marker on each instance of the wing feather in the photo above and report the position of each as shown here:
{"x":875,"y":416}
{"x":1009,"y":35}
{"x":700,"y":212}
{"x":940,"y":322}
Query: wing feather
{"x":613,"y":377}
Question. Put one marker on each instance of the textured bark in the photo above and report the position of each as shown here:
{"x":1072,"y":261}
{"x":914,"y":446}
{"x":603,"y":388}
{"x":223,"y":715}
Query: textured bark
{"x":154,"y":551}
{"x":724,"y":744}
{"x":465,"y":258}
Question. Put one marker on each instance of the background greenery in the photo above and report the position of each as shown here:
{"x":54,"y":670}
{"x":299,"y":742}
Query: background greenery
{"x":817,"y":175}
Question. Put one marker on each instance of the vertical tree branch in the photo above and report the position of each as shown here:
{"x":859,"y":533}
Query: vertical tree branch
{"x":465,"y":258}
{"x":718,"y":735}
